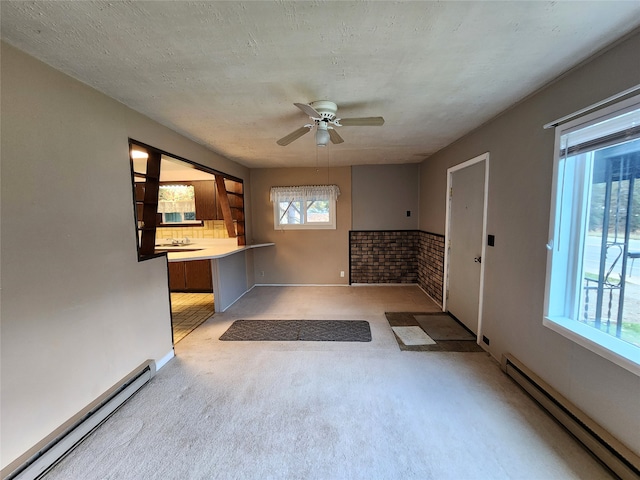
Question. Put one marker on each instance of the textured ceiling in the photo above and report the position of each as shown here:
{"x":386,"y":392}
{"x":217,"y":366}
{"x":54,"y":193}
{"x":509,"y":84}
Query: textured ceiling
{"x":226,"y":74}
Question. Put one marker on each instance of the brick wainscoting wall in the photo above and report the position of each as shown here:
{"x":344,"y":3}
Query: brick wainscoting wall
{"x":403,"y":256}
{"x":431,"y":264}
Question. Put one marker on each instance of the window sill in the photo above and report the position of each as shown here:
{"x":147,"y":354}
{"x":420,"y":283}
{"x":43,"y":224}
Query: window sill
{"x":195,"y":223}
{"x":613,"y":349}
{"x":307,"y":226}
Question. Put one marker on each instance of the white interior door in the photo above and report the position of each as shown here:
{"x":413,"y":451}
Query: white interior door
{"x":465,"y":242}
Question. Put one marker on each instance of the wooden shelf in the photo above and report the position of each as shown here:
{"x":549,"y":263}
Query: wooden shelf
{"x":147,"y":199}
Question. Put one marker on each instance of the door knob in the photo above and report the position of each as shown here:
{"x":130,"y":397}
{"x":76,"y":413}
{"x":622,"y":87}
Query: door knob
{"x":478,"y":259}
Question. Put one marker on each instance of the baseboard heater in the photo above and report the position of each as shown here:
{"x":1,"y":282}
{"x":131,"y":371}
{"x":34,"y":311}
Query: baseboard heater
{"x":47,"y":453}
{"x":611,"y":452}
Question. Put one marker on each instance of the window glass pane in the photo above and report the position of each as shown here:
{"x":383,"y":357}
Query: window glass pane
{"x":304,"y":207}
{"x":610,"y":284}
{"x":172,"y":217}
{"x":290,"y":213}
{"x":317,"y":211}
{"x":189,"y":215}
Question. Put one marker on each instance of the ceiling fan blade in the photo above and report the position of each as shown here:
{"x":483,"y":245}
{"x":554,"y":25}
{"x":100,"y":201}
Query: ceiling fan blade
{"x":361,"y":122}
{"x":293,"y":136}
{"x":308,"y":109}
{"x":334,"y":136}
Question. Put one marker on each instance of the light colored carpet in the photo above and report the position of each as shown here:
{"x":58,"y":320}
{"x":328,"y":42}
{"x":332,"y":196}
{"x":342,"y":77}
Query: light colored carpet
{"x":327,"y":410}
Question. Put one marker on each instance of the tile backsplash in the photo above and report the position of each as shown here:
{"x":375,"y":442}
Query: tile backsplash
{"x":210,"y":229}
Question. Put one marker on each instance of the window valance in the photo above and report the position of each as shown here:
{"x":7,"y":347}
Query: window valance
{"x":310,"y":192}
{"x":176,"y":198}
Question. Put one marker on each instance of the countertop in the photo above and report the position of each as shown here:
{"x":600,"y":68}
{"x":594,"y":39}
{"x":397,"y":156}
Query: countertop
{"x":204,"y":249}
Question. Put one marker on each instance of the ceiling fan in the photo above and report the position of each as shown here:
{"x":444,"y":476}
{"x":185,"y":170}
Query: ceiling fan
{"x":323,"y":114}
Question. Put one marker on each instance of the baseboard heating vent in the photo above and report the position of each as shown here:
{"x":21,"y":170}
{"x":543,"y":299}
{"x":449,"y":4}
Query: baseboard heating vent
{"x":610,"y":451}
{"x":41,"y":458}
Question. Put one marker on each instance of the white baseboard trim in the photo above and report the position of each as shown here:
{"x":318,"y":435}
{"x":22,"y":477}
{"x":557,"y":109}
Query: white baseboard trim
{"x":433,"y":299}
{"x":301,"y":285}
{"x":163,"y":361}
{"x":227,"y":307}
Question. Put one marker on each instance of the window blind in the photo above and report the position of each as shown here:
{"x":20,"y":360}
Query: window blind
{"x":602,"y":133}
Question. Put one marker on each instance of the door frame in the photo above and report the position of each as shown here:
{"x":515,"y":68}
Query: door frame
{"x":445,"y":284}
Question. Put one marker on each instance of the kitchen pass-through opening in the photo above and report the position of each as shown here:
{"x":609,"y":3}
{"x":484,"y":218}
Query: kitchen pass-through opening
{"x":183,"y":208}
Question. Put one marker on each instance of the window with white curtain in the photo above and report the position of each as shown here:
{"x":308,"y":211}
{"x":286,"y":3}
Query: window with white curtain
{"x":304,"y":207}
{"x":177,"y":203}
{"x":593,"y":269}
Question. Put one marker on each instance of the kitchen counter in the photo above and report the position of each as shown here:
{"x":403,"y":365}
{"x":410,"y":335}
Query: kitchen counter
{"x":204,"y":249}
{"x":229,"y":274}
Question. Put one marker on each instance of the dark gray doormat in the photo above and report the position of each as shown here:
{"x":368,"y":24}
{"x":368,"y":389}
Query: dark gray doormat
{"x":442,"y":328}
{"x":303,"y":330}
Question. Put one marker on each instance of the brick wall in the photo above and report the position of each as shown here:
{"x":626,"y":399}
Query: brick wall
{"x":404,"y":256}
{"x":383,"y":257}
{"x":431,"y":264}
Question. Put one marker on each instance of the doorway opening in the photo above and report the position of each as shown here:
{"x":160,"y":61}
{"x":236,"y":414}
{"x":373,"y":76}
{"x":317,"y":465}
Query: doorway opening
{"x":189,"y":311}
{"x":192,"y":297}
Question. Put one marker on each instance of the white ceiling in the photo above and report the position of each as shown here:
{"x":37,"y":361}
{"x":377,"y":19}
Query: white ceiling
{"x":226,"y":74}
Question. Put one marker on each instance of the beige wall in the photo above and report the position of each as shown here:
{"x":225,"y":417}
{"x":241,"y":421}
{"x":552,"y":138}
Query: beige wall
{"x":382,"y":195}
{"x":521,"y":159}
{"x":300,"y":256}
{"x":78,"y":310}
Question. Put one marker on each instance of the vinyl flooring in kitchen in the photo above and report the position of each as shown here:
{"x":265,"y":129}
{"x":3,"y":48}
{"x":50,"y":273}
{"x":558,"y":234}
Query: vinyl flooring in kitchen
{"x":189,"y":310}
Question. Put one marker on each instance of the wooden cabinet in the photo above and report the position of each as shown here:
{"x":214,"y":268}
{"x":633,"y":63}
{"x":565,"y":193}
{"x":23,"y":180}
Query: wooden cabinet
{"x":177,"y":277}
{"x":193,"y":276}
{"x":206,"y":201}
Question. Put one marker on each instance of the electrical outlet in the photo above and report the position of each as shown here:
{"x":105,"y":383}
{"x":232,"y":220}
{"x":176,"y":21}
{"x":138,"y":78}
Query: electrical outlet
{"x":485,"y":340}
{"x":342,"y":273}
{"x":262,"y":273}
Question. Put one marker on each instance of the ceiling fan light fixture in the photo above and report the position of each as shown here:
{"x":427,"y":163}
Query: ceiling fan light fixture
{"x":322,"y":135}
{"x":139,"y":154}
{"x":323,"y":115}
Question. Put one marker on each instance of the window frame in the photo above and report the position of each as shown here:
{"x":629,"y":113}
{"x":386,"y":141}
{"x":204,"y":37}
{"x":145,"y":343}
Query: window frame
{"x":564,"y":270}
{"x":302,"y":195}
